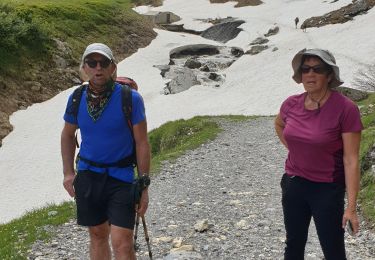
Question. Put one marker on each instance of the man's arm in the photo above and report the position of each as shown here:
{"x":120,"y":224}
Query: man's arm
{"x":142,"y":147}
{"x":352,"y":177}
{"x":68,"y":148}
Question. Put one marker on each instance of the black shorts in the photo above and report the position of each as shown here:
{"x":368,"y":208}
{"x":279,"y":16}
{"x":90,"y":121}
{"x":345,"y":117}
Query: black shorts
{"x":100,"y":197}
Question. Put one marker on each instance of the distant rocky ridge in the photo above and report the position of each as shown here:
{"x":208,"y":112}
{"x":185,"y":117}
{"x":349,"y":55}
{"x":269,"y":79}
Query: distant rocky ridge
{"x":341,"y":15}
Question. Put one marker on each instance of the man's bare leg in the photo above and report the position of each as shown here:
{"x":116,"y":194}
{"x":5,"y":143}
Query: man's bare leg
{"x":99,"y":243}
{"x":122,"y":243}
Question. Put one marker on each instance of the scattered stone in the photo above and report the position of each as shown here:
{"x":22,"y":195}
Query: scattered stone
{"x":272,"y":31}
{"x":192,"y":63}
{"x":201,"y":226}
{"x":183,"y":248}
{"x":259,"y":40}
{"x":189,"y":64}
{"x":52,"y":213}
{"x":180,"y":255}
{"x":177,"y":242}
{"x":256,"y":49}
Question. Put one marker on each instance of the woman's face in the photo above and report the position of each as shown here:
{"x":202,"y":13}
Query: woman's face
{"x":98,"y":69}
{"x":315,"y":77}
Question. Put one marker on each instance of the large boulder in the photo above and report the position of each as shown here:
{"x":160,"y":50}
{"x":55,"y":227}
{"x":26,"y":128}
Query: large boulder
{"x":193,"y":50}
{"x":353,"y":94}
{"x":182,"y":79}
{"x":223,"y":32}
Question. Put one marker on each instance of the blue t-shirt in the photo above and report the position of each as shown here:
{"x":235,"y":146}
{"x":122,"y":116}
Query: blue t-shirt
{"x":108,"y":139}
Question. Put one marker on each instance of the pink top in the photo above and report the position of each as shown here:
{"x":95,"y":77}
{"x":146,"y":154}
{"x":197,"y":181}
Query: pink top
{"x":314,"y":138}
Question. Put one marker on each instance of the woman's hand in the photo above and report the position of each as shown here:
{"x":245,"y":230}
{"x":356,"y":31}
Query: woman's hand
{"x":351,"y":215}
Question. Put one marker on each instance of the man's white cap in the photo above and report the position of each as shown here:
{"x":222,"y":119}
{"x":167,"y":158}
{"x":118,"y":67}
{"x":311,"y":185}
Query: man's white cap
{"x":98,"y":48}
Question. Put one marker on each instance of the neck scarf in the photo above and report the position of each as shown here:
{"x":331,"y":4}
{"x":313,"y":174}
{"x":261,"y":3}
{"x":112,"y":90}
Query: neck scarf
{"x":97,"y":100}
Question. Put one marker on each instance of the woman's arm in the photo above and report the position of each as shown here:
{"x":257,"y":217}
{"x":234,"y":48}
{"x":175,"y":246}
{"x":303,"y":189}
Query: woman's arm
{"x":352,"y":177}
{"x":279,"y":127}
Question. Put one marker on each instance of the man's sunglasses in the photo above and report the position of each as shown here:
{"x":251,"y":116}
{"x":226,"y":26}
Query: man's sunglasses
{"x":318,"y":69}
{"x":93,"y":63}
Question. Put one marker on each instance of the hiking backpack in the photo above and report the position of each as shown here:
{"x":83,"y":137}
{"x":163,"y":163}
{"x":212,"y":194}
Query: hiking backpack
{"x":126,"y":98}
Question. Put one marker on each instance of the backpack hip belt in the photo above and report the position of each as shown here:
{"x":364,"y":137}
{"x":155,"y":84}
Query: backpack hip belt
{"x":129,"y":161}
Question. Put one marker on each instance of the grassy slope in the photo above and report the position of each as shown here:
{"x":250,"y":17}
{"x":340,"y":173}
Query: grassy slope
{"x":367,"y":194}
{"x":41,"y":42}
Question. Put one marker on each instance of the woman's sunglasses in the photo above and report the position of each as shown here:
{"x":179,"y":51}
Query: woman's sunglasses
{"x":93,"y":63}
{"x":318,"y":69}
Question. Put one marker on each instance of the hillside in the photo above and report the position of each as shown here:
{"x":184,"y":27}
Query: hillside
{"x":42,"y":42}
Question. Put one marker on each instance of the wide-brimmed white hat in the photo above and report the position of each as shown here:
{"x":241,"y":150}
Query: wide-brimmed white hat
{"x":326,"y":57}
{"x":98,"y":48}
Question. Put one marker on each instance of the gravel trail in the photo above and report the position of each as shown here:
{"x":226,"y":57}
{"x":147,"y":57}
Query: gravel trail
{"x":227,"y":188}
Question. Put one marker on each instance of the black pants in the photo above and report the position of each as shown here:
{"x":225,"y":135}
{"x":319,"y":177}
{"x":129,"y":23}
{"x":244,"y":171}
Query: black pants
{"x":303,"y":199}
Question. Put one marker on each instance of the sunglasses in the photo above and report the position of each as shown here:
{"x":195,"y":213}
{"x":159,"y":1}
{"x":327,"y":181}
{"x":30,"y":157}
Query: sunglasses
{"x":318,"y":69}
{"x":93,"y":63}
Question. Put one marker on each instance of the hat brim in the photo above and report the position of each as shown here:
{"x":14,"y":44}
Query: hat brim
{"x":296,"y":64}
{"x":99,"y":52}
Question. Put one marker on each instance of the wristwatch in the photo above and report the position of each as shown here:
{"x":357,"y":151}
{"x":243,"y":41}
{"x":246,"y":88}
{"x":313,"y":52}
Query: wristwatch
{"x":144,"y":180}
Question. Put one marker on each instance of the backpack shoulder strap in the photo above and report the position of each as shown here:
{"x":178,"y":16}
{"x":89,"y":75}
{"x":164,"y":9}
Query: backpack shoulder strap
{"x":127,"y":105}
{"x":76,"y":100}
{"x":74,"y":107}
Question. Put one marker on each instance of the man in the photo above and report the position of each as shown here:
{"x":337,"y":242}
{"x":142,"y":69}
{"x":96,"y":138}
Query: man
{"x":296,"y":20}
{"x":103,"y":187}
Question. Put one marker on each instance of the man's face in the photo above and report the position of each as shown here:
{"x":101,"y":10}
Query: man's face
{"x":98,"y":68}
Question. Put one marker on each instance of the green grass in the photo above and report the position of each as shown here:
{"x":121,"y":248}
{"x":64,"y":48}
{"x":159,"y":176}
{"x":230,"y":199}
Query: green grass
{"x":168,"y":142}
{"x":367,"y":193}
{"x":173,"y":138}
{"x":29,"y":28}
{"x":367,"y":196}
{"x":17,"y":235}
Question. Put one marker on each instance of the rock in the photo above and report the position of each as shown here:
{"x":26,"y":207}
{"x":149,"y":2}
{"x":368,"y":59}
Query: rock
{"x":192,"y":63}
{"x":163,"y":69}
{"x":259,"y":40}
{"x":353,"y":94}
{"x":52,"y":213}
{"x":214,"y":76}
{"x":192,"y":50}
{"x":256,"y":49}
{"x":223,"y":32}
{"x":177,"y":242}
{"x":236,"y":52}
{"x":243,"y":224}
{"x":181,"y":255}
{"x":272,"y":31}
{"x":60,"y":62}
{"x":201,"y":225}
{"x":183,"y":248}
{"x":182,"y":79}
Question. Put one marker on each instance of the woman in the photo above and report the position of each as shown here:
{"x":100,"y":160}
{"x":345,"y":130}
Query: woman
{"x":322,"y":131}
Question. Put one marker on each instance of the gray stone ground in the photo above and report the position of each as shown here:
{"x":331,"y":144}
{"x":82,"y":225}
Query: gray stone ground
{"x":231,"y":186}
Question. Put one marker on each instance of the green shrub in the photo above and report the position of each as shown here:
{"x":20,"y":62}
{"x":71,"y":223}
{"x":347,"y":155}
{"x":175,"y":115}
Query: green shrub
{"x":18,"y":31}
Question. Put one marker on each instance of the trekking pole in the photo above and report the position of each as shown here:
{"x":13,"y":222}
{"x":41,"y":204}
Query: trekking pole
{"x":140,"y":186}
{"x":147,"y":237}
{"x":136,"y":231}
